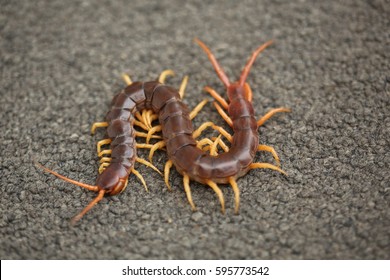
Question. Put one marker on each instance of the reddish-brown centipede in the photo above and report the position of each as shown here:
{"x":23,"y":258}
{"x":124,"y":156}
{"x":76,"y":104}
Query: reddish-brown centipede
{"x":179,"y":136}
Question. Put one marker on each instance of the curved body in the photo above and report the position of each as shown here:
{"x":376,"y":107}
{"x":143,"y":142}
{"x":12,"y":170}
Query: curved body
{"x":177,"y":132}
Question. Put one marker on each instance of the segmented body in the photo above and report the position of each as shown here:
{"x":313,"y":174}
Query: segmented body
{"x":177,"y":132}
{"x":196,"y":163}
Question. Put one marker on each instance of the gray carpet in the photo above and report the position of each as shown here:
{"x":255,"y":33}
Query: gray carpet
{"x":61,"y":63}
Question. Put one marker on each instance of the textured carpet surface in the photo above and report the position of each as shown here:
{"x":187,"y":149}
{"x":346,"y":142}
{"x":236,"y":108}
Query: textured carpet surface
{"x":61,"y":63}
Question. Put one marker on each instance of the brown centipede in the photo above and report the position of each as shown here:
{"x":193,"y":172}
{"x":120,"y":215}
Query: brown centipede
{"x":192,"y":162}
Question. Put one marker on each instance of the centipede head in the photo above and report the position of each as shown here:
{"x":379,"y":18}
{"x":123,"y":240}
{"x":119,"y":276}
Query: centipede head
{"x":240,"y":86}
{"x":113,"y":179}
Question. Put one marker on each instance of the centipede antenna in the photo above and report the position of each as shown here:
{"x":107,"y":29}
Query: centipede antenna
{"x":76,"y":218}
{"x":250,"y":62}
{"x":221,"y":74}
{"x":62,"y":177}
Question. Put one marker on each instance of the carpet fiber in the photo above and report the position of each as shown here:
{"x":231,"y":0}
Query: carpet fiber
{"x":61,"y":63}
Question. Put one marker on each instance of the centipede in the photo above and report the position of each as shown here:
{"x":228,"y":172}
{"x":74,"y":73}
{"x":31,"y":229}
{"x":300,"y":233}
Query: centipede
{"x":141,"y":103}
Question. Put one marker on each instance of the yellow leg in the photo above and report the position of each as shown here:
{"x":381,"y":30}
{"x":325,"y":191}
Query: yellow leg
{"x":217,"y":97}
{"x":147,"y":118}
{"x":96,"y":125}
{"x":167,"y":168}
{"x":152,"y":131}
{"x":141,"y":178}
{"x":264,"y":118}
{"x":146,"y":135}
{"x":187,"y":189}
{"x":144,"y":146}
{"x":105,"y":159}
{"x":266,"y":165}
{"x":270,"y":150}
{"x":223,"y":114}
{"x":214,"y":146}
{"x":140,"y":124}
{"x":183,"y":86}
{"x":236,"y":191}
{"x":203,"y":142}
{"x":127,"y":79}
{"x":103,"y":166}
{"x":223,"y":145}
{"x":164,"y":74}
{"x":218,"y":191}
{"x":200,"y":129}
{"x":198,"y":108}
{"x":105,"y":152}
{"x":158,"y":145}
{"x":148,"y":164}
{"x":102,"y":143}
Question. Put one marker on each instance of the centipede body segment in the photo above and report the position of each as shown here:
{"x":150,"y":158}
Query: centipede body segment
{"x":140,"y":103}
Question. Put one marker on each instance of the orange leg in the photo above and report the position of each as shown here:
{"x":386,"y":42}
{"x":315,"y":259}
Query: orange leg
{"x":264,"y":118}
{"x":223,"y":114}
{"x":217,"y":97}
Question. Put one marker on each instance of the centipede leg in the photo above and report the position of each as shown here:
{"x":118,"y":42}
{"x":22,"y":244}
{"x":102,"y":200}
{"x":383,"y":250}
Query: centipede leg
{"x":102,"y":143}
{"x":126,"y":78}
{"x":187,"y":189}
{"x":200,"y":129}
{"x":221,"y":143}
{"x":146,"y":135}
{"x":264,"y":118}
{"x":97,"y":125}
{"x":148,"y":164}
{"x":198,"y":108}
{"x":143,"y":146}
{"x":218,"y":191}
{"x":217,"y":97}
{"x":183,"y":86}
{"x":103,"y":166}
{"x":203,"y":142}
{"x":140,"y":123}
{"x":222,"y":131}
{"x":105,"y":159}
{"x":164,"y":74}
{"x":214,"y":146}
{"x":236,"y":192}
{"x":223,"y":114}
{"x":167,"y":169}
{"x":152,"y":131}
{"x":105,"y":152}
{"x":158,"y":145}
{"x":141,"y":178}
{"x":266,"y":165}
{"x":271,"y":150}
